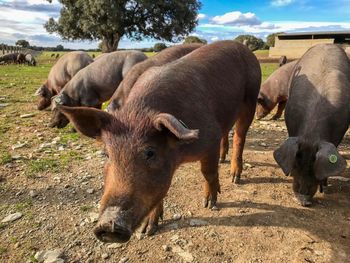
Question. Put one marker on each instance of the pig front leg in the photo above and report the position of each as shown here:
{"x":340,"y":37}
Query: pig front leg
{"x":280,"y":110}
{"x":209,"y":168}
{"x":242,"y":125}
{"x":150,"y":223}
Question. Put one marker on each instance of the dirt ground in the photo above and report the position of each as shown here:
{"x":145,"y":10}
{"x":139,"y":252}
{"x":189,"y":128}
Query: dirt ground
{"x":258,"y":221}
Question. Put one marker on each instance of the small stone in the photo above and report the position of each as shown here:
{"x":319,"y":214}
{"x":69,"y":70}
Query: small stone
{"x":16,"y":157}
{"x":166,"y":248}
{"x":61,"y":148}
{"x":94,"y":217}
{"x":318,"y":253}
{"x":18,"y":146}
{"x":115,"y":245}
{"x":32,"y":193}
{"x":12,"y":217}
{"x":263,"y":144}
{"x":177,"y":216}
{"x":104,"y":256}
{"x":198,"y":222}
{"x":27,"y":115}
{"x":90,"y":191}
{"x":3,"y":105}
{"x":124,"y":260}
{"x":187,"y":256}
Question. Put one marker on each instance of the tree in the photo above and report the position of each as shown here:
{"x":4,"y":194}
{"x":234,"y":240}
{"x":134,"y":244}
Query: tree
{"x":194,"y":39}
{"x":59,"y":48}
{"x":159,"y":47}
{"x":252,"y":42}
{"x":270,"y":40}
{"x":23,"y":43}
{"x":108,"y":21}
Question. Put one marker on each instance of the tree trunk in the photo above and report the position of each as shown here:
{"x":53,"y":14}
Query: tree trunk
{"x":110,"y":43}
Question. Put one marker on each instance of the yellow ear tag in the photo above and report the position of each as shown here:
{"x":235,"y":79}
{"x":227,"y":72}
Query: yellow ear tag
{"x":333,"y":158}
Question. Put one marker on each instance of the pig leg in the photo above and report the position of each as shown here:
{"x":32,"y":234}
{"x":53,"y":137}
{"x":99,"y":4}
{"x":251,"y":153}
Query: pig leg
{"x":280,"y":110}
{"x":242,"y":125}
{"x":150,"y":224}
{"x":209,"y":168}
{"x":224,"y":147}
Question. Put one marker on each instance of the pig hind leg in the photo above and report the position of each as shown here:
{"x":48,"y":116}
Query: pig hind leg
{"x":242,"y":124}
{"x":209,"y":168}
{"x":150,"y":223}
{"x":224,"y":147}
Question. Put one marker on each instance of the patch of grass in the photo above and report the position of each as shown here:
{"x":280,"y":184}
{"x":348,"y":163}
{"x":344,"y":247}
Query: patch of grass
{"x":5,"y":157}
{"x":69,"y":156}
{"x":3,"y":250}
{"x":14,"y":240}
{"x":267,"y":69}
{"x":2,"y":226}
{"x":86,"y":208}
{"x":23,"y":205}
{"x":33,"y":259}
{"x":42,"y":165}
{"x":67,"y":135}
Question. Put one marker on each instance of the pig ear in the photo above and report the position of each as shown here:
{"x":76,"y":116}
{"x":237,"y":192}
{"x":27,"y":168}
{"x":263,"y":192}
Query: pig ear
{"x":328,"y":161}
{"x":285,"y":154}
{"x":88,"y":121}
{"x":175,"y":126}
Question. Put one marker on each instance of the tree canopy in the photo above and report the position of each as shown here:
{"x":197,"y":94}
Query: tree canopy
{"x":108,"y":20}
{"x":23,"y":43}
{"x":159,"y":47}
{"x":270,"y":40}
{"x":252,"y":42}
{"x":194,"y":39}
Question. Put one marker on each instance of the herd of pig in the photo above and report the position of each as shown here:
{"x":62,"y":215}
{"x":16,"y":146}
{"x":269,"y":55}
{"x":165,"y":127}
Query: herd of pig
{"x":18,"y":58}
{"x":179,"y":106}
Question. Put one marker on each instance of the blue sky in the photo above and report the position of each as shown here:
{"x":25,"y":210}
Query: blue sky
{"x":24,"y":19}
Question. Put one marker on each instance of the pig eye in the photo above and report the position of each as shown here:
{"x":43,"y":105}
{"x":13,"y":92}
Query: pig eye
{"x":261,"y":101}
{"x":150,"y":154}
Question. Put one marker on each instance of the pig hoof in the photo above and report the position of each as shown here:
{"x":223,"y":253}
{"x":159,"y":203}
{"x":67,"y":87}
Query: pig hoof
{"x":205,"y":202}
{"x":303,"y":200}
{"x":215,"y":208}
{"x":151,"y":230}
{"x":236,"y":179}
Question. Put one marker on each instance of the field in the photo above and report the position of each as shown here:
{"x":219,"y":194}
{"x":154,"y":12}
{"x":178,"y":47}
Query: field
{"x":54,"y":178}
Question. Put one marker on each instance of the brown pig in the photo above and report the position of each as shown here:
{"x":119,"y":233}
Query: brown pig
{"x":163,"y":57}
{"x":275,"y":91}
{"x":96,"y":83}
{"x":175,"y":113}
{"x":62,"y":72}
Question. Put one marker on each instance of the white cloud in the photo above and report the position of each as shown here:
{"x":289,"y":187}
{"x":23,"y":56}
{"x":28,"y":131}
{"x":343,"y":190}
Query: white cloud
{"x":201,"y":16}
{"x":237,"y":18}
{"x":281,"y":2}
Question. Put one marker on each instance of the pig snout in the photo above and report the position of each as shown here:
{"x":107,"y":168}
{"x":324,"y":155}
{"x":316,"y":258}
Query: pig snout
{"x":112,"y":227}
{"x":303,"y":200}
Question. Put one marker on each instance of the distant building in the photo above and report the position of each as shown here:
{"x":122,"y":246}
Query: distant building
{"x":294,"y":45}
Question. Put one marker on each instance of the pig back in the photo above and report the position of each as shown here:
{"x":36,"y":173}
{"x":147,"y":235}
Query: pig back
{"x":319,"y":94}
{"x":205,"y":89}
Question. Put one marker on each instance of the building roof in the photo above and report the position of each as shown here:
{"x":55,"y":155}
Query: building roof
{"x":347,"y":33}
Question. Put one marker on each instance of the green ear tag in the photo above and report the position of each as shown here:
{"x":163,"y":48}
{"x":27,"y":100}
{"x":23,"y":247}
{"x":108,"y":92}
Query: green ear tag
{"x":333,"y":158}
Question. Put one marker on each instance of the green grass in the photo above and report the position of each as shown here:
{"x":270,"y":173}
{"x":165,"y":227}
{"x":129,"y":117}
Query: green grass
{"x":41,"y":165}
{"x":3,"y":250}
{"x":69,"y":156}
{"x":86,"y":208}
{"x":267,"y":69}
{"x":5,"y":157}
{"x":23,"y":205}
